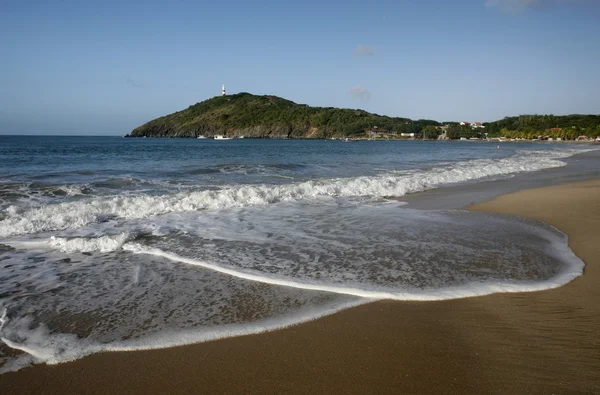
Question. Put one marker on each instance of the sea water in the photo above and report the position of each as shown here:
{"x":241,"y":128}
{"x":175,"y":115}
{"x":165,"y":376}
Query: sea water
{"x":125,"y":244}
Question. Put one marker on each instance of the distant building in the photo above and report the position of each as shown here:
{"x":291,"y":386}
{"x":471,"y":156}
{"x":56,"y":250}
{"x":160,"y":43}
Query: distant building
{"x":474,"y":125}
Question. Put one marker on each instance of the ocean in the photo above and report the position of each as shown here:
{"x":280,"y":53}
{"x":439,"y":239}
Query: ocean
{"x":110,"y":243}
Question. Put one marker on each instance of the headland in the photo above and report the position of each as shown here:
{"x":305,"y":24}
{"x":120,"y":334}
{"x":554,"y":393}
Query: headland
{"x":254,"y":116}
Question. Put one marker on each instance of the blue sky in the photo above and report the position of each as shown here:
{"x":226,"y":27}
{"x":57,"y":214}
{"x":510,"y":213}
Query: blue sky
{"x":93,"y":68}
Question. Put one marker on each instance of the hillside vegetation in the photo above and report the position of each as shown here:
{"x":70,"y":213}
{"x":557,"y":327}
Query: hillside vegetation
{"x":567,"y":127}
{"x":250,"y":115}
{"x":269,"y":116}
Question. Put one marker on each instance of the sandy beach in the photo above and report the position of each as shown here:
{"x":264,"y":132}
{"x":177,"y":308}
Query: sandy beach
{"x":524,"y":343}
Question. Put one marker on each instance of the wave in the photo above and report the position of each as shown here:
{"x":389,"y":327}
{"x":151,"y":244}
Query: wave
{"x":28,"y":190}
{"x":41,"y":346}
{"x":258,"y":168}
{"x":571,"y":270}
{"x":133,"y":274}
{"x":69,"y":215}
{"x":105,"y":243}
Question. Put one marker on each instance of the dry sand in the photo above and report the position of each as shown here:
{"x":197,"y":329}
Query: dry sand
{"x":527,"y":343}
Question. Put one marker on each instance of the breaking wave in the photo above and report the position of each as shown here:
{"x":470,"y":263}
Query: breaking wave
{"x":18,"y":220}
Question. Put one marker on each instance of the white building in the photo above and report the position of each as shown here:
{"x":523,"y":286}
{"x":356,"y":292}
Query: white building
{"x":474,"y":125}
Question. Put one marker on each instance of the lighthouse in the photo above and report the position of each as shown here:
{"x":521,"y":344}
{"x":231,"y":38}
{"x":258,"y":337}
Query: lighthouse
{"x":223,"y":93}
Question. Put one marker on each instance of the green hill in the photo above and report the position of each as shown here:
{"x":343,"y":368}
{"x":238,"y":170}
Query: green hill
{"x":250,"y":115}
{"x":529,"y":126}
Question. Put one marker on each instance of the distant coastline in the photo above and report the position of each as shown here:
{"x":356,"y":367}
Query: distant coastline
{"x":359,"y":138}
{"x":253,"y":116}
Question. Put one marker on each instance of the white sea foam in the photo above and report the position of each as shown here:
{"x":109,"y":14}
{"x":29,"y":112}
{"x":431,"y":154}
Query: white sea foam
{"x":70,"y":215}
{"x":105,"y":243}
{"x":3,"y":319}
{"x":572,"y":270}
{"x":42,"y":346}
{"x":73,"y":190}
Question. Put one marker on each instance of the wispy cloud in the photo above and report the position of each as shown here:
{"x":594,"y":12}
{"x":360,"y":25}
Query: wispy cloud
{"x":132,"y":83}
{"x":521,"y":5}
{"x":359,"y":92}
{"x":363,"y":50}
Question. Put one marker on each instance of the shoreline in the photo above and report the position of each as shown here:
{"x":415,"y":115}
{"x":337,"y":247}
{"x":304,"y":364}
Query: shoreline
{"x":356,"y":138}
{"x":533,"y":342}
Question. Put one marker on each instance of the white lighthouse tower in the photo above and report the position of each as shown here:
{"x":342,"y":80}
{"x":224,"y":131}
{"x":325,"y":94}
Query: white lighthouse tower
{"x":223,"y":93}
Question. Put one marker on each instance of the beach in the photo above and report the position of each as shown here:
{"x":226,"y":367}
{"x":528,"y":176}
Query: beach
{"x":536,"y":342}
{"x":289,"y":207}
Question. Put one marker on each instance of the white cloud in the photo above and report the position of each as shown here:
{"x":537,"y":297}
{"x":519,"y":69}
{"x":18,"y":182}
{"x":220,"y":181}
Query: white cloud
{"x":360,"y":93}
{"x":363,"y":50}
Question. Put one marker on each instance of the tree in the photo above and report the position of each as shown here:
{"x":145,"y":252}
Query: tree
{"x":430,"y":132}
{"x":454,"y":131}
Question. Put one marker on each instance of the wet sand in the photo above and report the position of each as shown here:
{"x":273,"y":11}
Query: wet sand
{"x":525,"y":343}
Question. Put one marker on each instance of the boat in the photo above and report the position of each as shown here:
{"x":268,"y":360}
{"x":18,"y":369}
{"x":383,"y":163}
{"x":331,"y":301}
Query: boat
{"x":201,"y":137}
{"x":221,"y":137}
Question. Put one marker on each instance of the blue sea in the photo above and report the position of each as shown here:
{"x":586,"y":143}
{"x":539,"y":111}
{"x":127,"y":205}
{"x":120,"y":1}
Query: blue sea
{"x":111,"y":243}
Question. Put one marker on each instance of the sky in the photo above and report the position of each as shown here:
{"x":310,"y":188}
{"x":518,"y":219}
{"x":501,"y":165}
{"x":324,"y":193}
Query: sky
{"x":104,"y":68}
